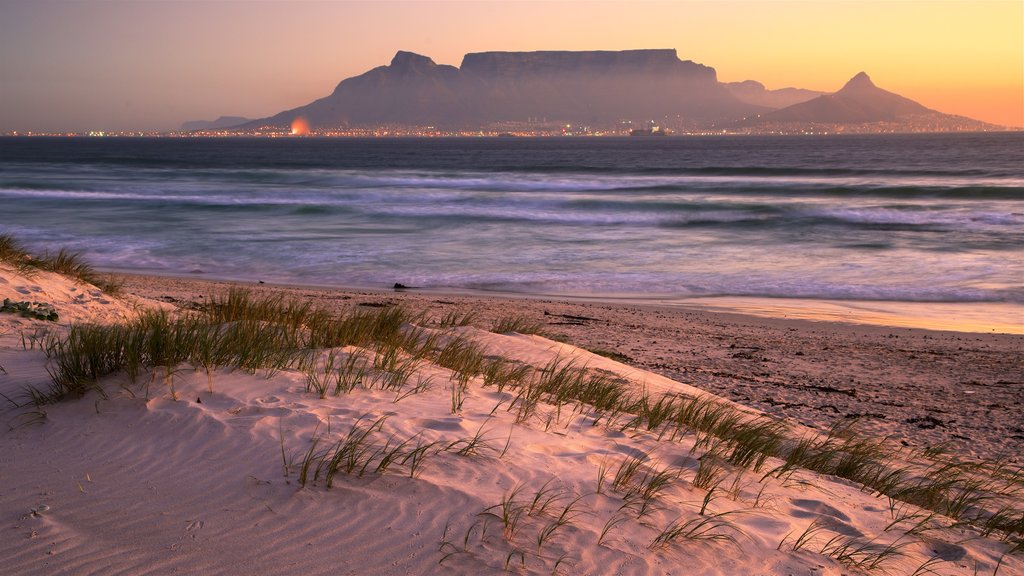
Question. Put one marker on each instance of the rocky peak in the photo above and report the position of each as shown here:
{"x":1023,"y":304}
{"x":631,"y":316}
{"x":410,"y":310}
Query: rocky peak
{"x":859,"y":83}
{"x":411,"y":61}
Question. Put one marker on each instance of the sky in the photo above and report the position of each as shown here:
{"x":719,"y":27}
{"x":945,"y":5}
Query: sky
{"x":150,"y":65}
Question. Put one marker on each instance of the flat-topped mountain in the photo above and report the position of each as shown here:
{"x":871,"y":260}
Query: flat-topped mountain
{"x":600,"y":87}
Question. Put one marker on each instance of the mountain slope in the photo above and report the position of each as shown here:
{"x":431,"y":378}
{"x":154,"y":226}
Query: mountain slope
{"x":858,"y":101}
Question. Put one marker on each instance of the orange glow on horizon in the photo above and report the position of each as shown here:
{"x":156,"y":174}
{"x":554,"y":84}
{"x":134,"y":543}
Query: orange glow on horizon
{"x":300,"y":127}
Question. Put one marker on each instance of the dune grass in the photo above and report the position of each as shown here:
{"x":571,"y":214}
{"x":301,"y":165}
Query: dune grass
{"x":241,"y":331}
{"x":64,"y":262}
{"x":518,"y":325}
{"x":711,"y":528}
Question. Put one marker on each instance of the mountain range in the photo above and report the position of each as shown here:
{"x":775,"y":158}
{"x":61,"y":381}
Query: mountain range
{"x":598,"y":88}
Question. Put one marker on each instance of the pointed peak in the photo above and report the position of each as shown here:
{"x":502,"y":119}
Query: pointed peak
{"x":859,"y":82}
{"x":405,"y":59}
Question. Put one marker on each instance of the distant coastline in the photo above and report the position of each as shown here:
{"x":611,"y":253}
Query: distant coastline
{"x":413,"y":133}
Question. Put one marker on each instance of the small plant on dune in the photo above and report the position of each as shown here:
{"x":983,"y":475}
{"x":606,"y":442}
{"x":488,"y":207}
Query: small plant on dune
{"x":11,"y":250}
{"x":655,"y":415}
{"x":919,"y":523}
{"x":319,"y":379}
{"x":853,"y":552}
{"x":849,"y":551}
{"x":805,"y":537}
{"x":651,"y":485}
{"x":472,"y":446}
{"x":359,"y":327}
{"x":526,"y":401}
{"x":710,"y":471}
{"x":618,"y":517}
{"x":509,"y":511}
{"x":352,"y":373}
{"x":351,"y":454}
{"x":458,"y":396}
{"x":240,"y":304}
{"x":415,"y":458}
{"x":67,"y":263}
{"x":398,"y":376}
{"x":502,"y":373}
{"x":456,"y":319}
{"x":543,"y":498}
{"x":711,"y":528}
{"x":565,"y":518}
{"x":927,"y":567}
{"x":1007,"y":520}
{"x":386,"y":357}
{"x":463,"y":357}
{"x":627,"y":470}
{"x":518,"y":325}
{"x":422,"y":384}
{"x":417,"y":342}
{"x":602,"y":475}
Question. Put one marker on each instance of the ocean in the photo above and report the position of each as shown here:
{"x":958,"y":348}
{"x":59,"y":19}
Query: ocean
{"x":933,"y":218}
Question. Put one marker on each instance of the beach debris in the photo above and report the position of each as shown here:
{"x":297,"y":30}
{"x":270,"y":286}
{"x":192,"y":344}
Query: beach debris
{"x":926,"y":422}
{"x":40,"y":510}
{"x":34,"y":310}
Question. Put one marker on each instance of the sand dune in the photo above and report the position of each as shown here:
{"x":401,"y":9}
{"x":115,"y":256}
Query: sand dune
{"x":205,"y":477}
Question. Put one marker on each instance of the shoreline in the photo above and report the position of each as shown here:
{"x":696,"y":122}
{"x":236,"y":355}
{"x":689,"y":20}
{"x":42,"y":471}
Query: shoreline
{"x":961,"y":317}
{"x":917,"y":385}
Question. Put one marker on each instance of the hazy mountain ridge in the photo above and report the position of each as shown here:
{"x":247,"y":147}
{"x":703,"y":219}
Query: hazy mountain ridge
{"x":218,"y":124}
{"x":753,"y":92}
{"x":598,"y":88}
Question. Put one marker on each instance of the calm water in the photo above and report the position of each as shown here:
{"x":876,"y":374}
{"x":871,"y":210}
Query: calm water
{"x":932,"y":218}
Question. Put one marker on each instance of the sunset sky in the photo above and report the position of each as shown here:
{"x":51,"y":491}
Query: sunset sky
{"x":115,"y":65}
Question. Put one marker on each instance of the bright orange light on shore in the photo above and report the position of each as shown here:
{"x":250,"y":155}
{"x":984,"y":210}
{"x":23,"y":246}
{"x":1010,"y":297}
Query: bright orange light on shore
{"x":300,"y":127}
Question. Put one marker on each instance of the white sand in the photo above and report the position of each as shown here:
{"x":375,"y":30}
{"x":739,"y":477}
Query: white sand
{"x":141,"y":483}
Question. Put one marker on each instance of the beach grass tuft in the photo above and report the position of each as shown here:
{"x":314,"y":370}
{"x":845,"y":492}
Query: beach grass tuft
{"x":517,"y":325}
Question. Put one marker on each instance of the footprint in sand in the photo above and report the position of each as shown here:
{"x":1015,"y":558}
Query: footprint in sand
{"x":444,"y":424}
{"x":828,"y":516}
{"x":817,"y":508}
{"x":945,"y":550}
{"x":193,"y":526}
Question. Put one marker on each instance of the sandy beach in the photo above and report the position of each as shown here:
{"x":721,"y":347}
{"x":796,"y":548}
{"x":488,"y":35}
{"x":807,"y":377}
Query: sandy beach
{"x":225,"y":470}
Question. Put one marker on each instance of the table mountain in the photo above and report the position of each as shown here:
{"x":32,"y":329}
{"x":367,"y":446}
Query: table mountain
{"x":599,"y":87}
